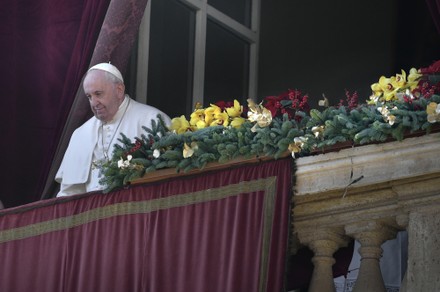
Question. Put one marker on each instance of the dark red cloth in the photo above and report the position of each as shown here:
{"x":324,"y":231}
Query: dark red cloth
{"x":219,"y":231}
{"x":46,"y":46}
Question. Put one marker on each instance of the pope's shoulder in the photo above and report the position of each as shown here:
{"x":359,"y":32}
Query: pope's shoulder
{"x":146,"y":112}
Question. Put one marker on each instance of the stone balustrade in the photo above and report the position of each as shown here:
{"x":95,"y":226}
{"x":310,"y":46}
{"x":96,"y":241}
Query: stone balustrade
{"x":369,"y":193}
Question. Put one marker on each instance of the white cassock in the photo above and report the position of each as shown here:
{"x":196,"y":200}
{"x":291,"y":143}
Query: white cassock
{"x":89,"y":142}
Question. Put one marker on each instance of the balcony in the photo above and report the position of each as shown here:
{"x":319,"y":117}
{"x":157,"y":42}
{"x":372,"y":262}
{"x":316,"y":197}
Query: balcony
{"x":369,"y":193}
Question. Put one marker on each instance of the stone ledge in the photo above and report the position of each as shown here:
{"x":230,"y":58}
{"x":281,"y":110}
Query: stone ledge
{"x":377,"y":163}
{"x":389,"y":190}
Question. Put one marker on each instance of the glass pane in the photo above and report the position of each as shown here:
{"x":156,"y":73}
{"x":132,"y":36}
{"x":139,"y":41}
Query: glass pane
{"x":239,"y":10}
{"x":171,"y":57}
{"x":226,"y":66}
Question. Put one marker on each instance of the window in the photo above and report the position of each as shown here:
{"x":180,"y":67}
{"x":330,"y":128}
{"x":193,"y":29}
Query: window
{"x":193,"y":51}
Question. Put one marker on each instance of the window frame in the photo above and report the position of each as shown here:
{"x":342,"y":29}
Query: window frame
{"x":203,"y":12}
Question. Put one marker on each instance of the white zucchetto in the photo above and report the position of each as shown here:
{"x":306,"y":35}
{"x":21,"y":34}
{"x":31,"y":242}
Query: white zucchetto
{"x":108,"y":68}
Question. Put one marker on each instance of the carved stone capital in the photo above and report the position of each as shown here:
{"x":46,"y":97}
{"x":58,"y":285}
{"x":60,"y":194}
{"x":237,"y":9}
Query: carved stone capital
{"x":323,"y":241}
{"x":371,"y":233}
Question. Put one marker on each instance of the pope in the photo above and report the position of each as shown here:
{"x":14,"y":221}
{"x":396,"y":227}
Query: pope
{"x":92,"y":143}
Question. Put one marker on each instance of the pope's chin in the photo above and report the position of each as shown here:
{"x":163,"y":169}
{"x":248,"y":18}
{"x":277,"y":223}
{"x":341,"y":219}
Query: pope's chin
{"x":99,"y":116}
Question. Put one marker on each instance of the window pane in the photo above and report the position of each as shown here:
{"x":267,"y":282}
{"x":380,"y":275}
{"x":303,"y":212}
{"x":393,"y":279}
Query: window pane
{"x":240,"y":10}
{"x":170,"y":64}
{"x":226,"y":66}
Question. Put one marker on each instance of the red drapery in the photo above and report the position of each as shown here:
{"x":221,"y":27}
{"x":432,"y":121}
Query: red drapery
{"x":219,"y":231}
{"x":46,"y":47}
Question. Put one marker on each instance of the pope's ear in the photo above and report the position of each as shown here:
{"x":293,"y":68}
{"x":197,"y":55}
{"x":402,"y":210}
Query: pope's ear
{"x":121,"y":88}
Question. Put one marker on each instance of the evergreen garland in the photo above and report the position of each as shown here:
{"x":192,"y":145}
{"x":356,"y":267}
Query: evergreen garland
{"x":159,"y":148}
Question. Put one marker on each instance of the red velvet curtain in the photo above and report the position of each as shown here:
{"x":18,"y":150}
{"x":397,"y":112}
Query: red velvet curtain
{"x":220,"y":231}
{"x":46,"y":46}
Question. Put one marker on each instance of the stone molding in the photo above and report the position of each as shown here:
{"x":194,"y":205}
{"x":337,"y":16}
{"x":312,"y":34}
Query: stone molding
{"x":369,"y":193}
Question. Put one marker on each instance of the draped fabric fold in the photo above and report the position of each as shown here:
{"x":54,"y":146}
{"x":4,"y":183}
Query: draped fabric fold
{"x":217,"y":231}
{"x":92,"y":16}
{"x":46,"y":46}
{"x":114,"y":43}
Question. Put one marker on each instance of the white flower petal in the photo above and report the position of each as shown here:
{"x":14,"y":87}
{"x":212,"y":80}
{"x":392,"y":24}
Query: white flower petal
{"x":156,"y":153}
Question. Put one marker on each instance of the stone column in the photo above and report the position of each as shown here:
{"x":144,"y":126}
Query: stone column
{"x":423,"y":272}
{"x":324,"y":243}
{"x":371,"y":235}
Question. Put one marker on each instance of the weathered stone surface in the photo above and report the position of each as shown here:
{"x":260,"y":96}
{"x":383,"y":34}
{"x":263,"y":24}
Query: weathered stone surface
{"x":399,"y":189}
{"x":423,"y":272}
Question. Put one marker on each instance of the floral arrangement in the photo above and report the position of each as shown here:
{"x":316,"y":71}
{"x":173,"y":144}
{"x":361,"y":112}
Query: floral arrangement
{"x":278,"y":125}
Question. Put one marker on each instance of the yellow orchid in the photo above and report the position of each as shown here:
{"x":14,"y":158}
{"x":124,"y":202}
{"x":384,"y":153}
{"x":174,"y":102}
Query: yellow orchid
{"x":211,"y":112}
{"x":180,"y":125}
{"x":433,"y":112}
{"x":400,"y":80}
{"x":388,"y":89}
{"x":388,"y":86}
{"x":210,"y":116}
{"x":414,"y":76}
{"x":198,"y":119}
{"x":259,"y":114}
{"x":237,"y":122}
{"x":188,"y":151}
{"x":383,"y":88}
{"x":235,"y":111}
{"x":391,"y":95}
{"x":220,"y":118}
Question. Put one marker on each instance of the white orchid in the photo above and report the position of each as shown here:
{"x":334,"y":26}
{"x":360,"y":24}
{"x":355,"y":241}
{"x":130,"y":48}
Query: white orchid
{"x":156,"y":153}
{"x":122,"y":164}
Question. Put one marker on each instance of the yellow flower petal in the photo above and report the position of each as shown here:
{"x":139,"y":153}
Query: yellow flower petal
{"x":400,"y":80}
{"x":234,"y":111}
{"x":196,"y":116}
{"x":237,"y":122}
{"x":414,"y":75}
{"x":210,"y":113}
{"x":180,"y":125}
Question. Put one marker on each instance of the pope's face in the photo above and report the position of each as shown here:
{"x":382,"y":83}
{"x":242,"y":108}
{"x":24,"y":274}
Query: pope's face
{"x":104,"y":95}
